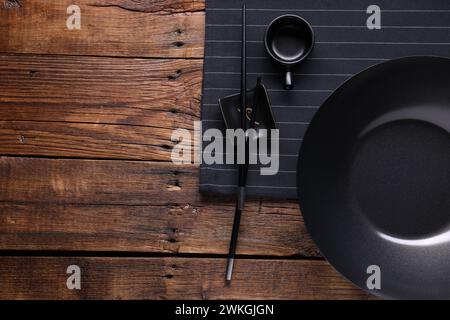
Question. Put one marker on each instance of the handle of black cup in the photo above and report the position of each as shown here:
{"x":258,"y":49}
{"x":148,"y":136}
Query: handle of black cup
{"x":288,"y":85}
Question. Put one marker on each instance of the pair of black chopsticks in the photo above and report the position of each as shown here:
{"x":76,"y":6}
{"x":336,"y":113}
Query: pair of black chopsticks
{"x":243,"y":168}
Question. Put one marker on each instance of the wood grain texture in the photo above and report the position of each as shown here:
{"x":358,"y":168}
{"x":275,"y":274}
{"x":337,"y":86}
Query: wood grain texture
{"x":48,"y":204}
{"x":59,"y":98}
{"x":172,"y":278}
{"x":96,"y":107}
{"x":146,"y":28}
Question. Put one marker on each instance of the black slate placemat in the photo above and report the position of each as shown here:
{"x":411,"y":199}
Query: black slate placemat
{"x":344,"y":46}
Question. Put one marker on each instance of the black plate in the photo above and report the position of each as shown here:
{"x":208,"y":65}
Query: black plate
{"x":374,"y":178}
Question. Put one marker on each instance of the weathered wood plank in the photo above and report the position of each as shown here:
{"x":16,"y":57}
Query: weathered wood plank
{"x":84,"y":140}
{"x":95,"y":107}
{"x":48,"y":204}
{"x":172,"y":278}
{"x":173,"y":28}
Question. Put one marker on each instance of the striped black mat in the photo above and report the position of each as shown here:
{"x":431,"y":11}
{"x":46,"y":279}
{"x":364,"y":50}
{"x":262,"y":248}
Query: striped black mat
{"x":344,"y":46}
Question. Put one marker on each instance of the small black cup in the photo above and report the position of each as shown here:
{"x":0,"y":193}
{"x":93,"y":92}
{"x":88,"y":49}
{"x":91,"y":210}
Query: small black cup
{"x":289,"y":40}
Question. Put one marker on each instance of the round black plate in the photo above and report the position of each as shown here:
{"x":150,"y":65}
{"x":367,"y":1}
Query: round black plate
{"x":374,"y":178}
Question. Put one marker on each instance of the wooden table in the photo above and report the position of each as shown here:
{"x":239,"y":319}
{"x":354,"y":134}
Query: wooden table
{"x":86,"y":176}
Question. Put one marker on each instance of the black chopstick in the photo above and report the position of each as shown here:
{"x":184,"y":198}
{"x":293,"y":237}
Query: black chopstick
{"x":243,"y":168}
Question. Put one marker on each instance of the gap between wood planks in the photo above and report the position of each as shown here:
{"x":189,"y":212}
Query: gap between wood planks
{"x":6,"y":53}
{"x":131,"y":254}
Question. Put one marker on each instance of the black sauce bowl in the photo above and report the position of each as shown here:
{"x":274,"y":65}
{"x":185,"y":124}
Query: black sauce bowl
{"x":289,"y":40}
